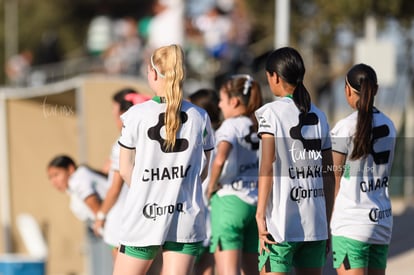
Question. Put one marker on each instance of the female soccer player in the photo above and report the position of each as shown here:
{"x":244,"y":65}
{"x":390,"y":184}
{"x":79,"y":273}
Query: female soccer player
{"x":295,"y":191}
{"x":86,"y":188}
{"x":363,"y":150}
{"x":233,"y":178}
{"x":162,"y":145}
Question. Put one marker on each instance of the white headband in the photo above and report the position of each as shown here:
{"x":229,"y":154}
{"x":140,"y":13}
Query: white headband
{"x":156,"y":69}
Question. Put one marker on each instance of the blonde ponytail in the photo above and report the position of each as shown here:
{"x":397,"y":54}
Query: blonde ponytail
{"x":170,"y":61}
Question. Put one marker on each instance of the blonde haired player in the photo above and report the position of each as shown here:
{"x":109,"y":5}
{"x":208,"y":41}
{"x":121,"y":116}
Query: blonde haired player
{"x":162,"y":145}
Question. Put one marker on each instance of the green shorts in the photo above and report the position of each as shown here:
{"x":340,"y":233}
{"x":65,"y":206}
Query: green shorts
{"x":233,"y":225}
{"x":203,"y":250}
{"x":357,"y":254}
{"x":283,"y":256}
{"x":150,"y":252}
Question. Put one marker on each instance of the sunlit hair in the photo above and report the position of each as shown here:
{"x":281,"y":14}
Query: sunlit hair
{"x":247,"y":90}
{"x":362,"y":79}
{"x":169,"y":61}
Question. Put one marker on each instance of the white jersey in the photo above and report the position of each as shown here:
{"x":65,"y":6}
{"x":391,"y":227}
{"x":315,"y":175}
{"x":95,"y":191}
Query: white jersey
{"x":113,"y":220}
{"x":296,"y":209}
{"x":83,"y":183}
{"x":207,"y":215}
{"x":362,"y":208}
{"x":165,"y":200}
{"x":240,"y":172}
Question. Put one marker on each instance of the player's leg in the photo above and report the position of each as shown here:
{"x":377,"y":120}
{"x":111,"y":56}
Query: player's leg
{"x":134,"y":260}
{"x":179,"y":258}
{"x":350,"y":257}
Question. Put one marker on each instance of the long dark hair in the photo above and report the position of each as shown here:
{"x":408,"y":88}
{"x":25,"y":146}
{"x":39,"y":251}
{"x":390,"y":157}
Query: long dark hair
{"x":288,"y":64}
{"x":363,"y":80}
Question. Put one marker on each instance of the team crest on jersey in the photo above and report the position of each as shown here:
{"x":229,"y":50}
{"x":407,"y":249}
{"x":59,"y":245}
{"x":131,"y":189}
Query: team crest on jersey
{"x":306,"y":120}
{"x":154,"y":133}
{"x":379,"y":132}
{"x":251,"y":140}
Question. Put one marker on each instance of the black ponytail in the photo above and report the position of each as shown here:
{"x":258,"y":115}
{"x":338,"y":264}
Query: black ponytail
{"x":302,"y":98}
{"x":288,"y":64}
{"x":363,"y":80}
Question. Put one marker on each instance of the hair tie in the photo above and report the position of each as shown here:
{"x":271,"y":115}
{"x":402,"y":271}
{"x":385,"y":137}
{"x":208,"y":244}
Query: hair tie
{"x":247,"y":84}
{"x":136,"y":98}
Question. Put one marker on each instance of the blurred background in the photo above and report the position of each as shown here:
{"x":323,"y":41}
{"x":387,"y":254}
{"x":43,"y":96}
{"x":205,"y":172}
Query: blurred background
{"x":63,"y":60}
{"x":52,"y":40}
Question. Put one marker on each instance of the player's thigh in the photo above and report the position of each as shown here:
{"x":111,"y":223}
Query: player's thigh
{"x":228,"y":261}
{"x":128,"y":265}
{"x":177,"y":263}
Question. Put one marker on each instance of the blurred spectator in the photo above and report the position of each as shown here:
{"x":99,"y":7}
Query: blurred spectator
{"x":99,"y":36}
{"x":215,"y":28}
{"x":239,"y":37}
{"x":167,"y":25}
{"x":226,"y":5}
{"x":124,"y":55}
{"x":225,"y":32}
{"x":143,"y":28}
{"x":195,"y":8}
{"x":18,"y":66}
{"x":49,"y":50}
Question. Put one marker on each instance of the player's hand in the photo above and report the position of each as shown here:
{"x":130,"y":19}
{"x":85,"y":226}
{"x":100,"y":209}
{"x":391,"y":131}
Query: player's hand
{"x":98,"y":227}
{"x":264,"y":235}
{"x":212,"y":190}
